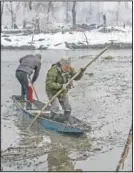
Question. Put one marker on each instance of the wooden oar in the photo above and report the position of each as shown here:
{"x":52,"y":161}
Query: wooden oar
{"x":59,"y":92}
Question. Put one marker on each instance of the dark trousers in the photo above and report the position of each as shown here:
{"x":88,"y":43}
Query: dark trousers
{"x":22,"y":78}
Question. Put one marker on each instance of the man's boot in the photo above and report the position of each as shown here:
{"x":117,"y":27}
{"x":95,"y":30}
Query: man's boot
{"x":67,"y":115}
{"x":28,"y":105}
{"x":22,"y":98}
{"x":57,"y":117}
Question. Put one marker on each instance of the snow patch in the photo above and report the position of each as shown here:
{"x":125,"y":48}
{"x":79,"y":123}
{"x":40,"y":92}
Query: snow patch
{"x":57,"y":40}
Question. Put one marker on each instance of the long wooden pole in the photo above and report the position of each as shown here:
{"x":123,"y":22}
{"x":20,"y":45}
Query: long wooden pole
{"x":125,"y":151}
{"x":59,"y":92}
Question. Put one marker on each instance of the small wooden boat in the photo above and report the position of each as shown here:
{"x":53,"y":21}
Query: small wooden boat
{"x":78,"y":127}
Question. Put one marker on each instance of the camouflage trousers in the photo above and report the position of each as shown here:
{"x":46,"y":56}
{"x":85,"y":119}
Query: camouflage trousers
{"x":63,"y":102}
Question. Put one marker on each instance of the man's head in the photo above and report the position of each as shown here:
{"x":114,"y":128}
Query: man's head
{"x":65,"y":64}
{"x":38,"y":56}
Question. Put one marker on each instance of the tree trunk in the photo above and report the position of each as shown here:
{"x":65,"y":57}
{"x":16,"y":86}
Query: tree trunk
{"x":98,"y":11}
{"x":67,"y":19}
{"x":24,"y":13}
{"x":104,"y":22}
{"x":49,"y":9}
{"x":24,"y":24}
{"x":74,"y":14}
{"x":90,"y":8}
{"x":37,"y":24}
{"x":30,"y":5}
{"x":12,"y":15}
{"x":118,"y":12}
{"x":126,"y":5}
{"x":14,"y":21}
{"x":2,"y":8}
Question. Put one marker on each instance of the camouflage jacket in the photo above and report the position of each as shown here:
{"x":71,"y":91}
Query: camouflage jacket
{"x":56,"y":78}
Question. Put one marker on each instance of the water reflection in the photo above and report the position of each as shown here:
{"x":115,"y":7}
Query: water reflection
{"x":59,"y":151}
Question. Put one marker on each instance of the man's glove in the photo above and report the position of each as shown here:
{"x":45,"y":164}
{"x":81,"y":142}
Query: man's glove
{"x":82,"y":70}
{"x":79,"y":76}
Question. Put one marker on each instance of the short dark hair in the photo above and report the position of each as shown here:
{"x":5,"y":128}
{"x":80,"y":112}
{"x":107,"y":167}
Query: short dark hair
{"x":38,"y":55}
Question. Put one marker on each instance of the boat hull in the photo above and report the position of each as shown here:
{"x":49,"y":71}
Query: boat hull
{"x":46,"y":122}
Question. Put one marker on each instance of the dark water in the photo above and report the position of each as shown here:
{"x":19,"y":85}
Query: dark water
{"x":103,"y":97}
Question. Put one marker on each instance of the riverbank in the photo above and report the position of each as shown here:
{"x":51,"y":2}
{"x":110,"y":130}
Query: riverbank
{"x":94,"y":39}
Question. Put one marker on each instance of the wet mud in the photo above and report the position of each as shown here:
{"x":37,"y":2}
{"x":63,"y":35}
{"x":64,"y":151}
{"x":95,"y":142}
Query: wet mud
{"x":102,"y":98}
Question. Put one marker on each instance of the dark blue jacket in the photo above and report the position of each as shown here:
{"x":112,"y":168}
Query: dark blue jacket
{"x":28,"y":64}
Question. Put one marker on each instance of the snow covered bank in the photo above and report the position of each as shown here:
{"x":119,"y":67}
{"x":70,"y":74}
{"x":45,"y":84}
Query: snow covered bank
{"x":69,"y":40}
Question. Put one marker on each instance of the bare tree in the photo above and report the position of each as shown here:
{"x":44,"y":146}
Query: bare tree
{"x":104,"y":22}
{"x":30,"y":5}
{"x":89,"y":12}
{"x":49,"y":9}
{"x":67,"y":8}
{"x":13,"y":14}
{"x":24,"y":13}
{"x":118,"y":12}
{"x":38,"y":8}
{"x":74,"y":14}
{"x":10,"y":9}
{"x":98,"y":11}
{"x":90,"y":8}
{"x":37,"y":20}
{"x":2,"y":8}
{"x":126,"y":5}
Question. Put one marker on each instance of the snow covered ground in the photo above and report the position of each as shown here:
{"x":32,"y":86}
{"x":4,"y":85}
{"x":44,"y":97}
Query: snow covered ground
{"x":57,"y":40}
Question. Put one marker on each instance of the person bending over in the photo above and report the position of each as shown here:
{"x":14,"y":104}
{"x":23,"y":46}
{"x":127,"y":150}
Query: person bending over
{"x":28,"y":65}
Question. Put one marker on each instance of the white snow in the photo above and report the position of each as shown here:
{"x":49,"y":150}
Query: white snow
{"x":50,"y":40}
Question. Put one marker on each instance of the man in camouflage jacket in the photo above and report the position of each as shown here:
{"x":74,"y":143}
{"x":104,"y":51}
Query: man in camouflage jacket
{"x":57,"y":78}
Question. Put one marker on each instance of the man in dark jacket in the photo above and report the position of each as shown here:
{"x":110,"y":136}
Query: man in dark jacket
{"x":57,"y":78}
{"x":28,"y":65}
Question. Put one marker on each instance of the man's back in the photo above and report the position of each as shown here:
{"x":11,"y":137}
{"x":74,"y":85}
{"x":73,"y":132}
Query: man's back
{"x":28,"y":64}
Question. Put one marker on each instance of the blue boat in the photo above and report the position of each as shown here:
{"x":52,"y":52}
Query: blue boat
{"x":77,"y":128}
